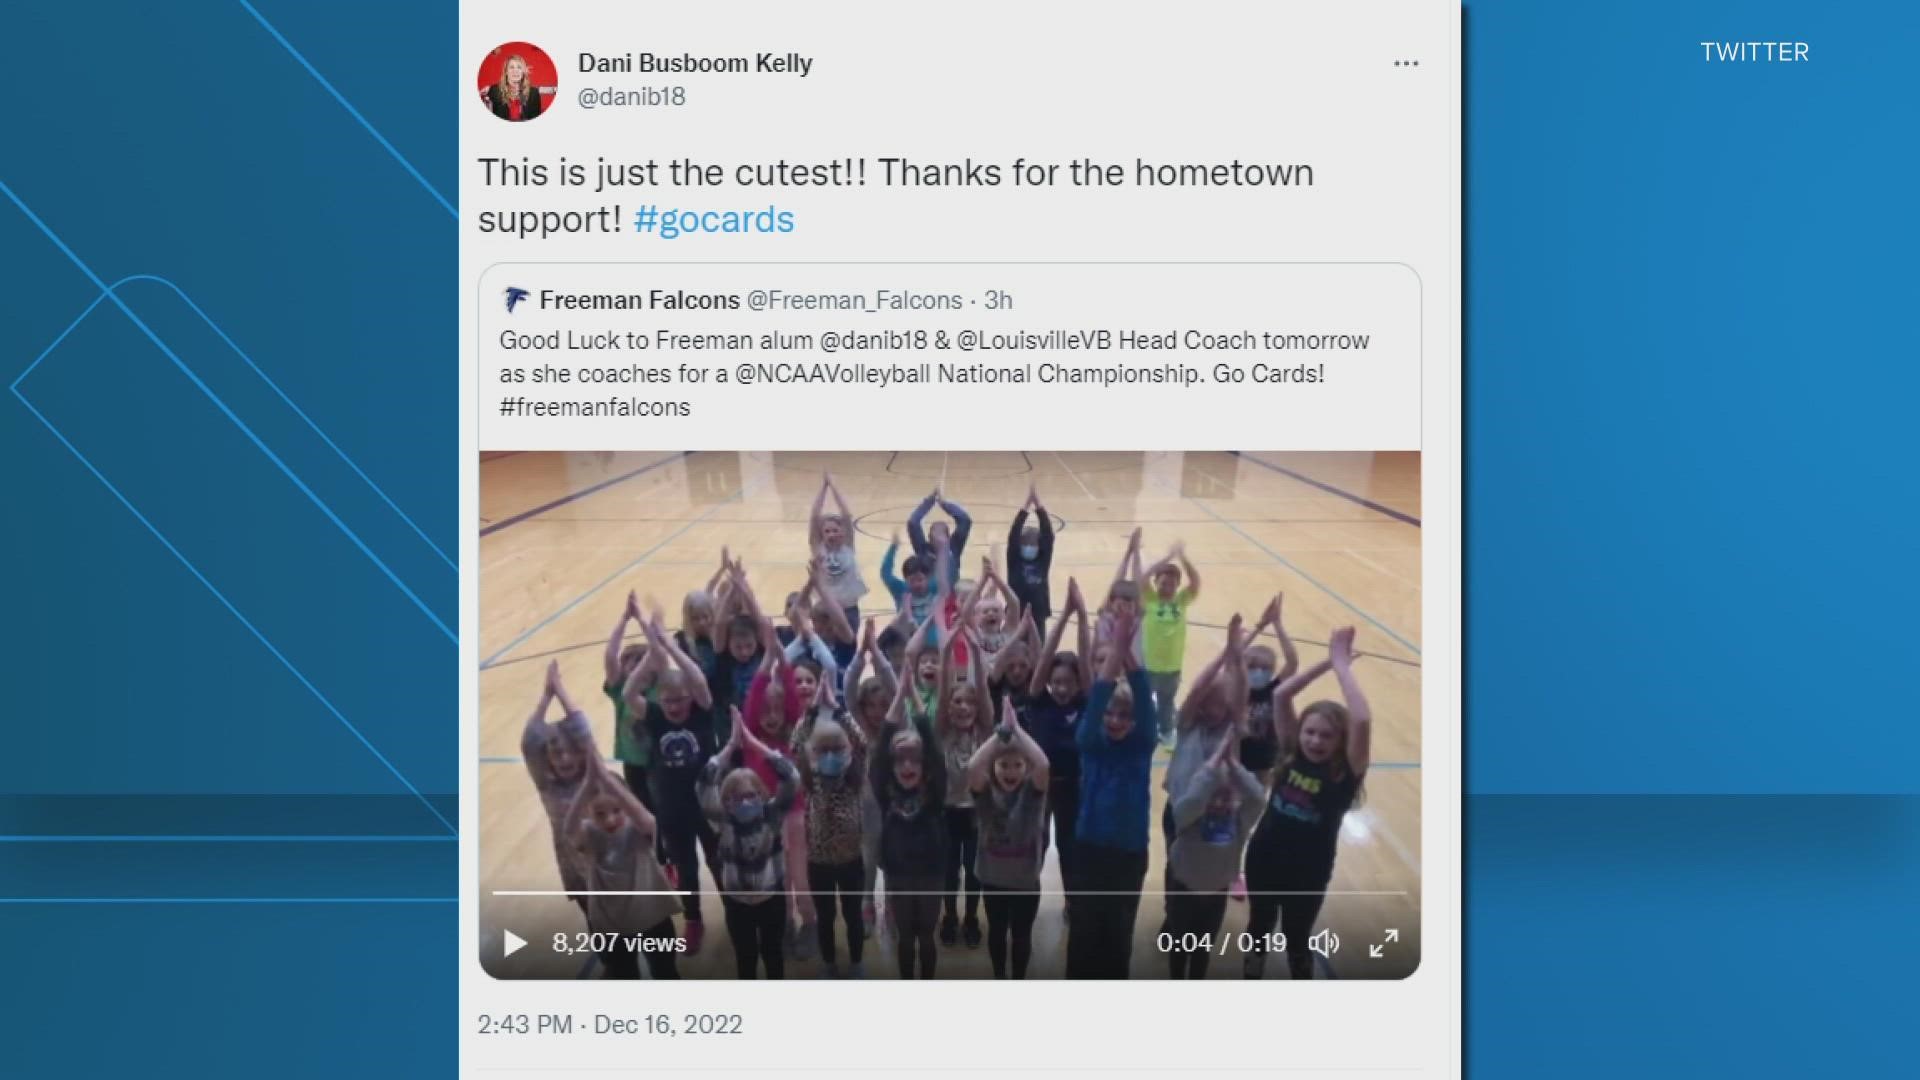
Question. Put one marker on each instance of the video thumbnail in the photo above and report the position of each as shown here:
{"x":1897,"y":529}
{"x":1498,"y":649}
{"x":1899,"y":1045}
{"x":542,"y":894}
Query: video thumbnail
{"x":967,"y":715}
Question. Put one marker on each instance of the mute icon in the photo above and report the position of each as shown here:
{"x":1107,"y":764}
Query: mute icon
{"x":1326,"y":943}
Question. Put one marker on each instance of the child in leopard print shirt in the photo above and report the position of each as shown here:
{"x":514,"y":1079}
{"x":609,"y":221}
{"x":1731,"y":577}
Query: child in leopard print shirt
{"x":832,"y":757}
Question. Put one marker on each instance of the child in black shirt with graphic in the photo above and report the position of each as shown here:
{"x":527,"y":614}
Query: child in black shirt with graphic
{"x":1323,"y":764}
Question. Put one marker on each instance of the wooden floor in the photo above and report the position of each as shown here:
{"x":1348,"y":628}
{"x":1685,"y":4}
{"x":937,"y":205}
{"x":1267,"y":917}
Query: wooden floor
{"x":564,"y":536}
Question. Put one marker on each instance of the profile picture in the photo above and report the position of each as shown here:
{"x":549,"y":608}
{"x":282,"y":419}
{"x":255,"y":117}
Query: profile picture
{"x":518,"y":81}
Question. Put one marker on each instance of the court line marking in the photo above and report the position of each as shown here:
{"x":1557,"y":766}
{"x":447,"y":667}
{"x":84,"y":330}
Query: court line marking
{"x":1362,"y":500}
{"x":351,"y":111}
{"x":227,"y":411}
{"x":578,"y":600}
{"x":168,"y":544}
{"x":235,"y":612}
{"x":581,"y":494}
{"x":1310,"y":579}
{"x":1075,"y":476}
{"x":111,"y":291}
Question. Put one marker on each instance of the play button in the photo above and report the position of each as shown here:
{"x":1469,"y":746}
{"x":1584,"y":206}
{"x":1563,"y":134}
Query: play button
{"x":511,"y":943}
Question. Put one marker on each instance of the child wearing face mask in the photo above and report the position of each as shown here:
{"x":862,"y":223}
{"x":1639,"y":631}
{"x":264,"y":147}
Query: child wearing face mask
{"x":908,"y":772}
{"x":1008,"y":775}
{"x":752,"y":857}
{"x":1260,"y":746}
{"x":1030,"y":558}
{"x":1324,"y":754}
{"x":832,"y":762}
{"x":558,"y":757}
{"x":630,"y":896}
{"x":1212,"y":820}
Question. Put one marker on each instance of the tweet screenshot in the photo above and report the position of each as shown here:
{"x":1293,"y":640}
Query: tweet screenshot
{"x":964,"y":517}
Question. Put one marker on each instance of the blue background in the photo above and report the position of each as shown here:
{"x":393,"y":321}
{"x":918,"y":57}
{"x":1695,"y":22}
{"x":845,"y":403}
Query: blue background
{"x":232,"y":509}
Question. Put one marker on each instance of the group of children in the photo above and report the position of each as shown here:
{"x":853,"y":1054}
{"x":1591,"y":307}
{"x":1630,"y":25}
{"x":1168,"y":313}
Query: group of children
{"x":833,"y":768}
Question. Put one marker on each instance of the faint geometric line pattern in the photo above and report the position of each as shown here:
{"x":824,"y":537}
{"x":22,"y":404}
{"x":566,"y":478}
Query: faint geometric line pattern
{"x":264,"y":377}
{"x":228,"y":413}
{"x":347,"y":105}
{"x":107,"y":293}
{"x":228,"y":604}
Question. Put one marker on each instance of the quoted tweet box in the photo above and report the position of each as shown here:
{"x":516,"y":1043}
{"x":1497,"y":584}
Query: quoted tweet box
{"x":626,"y":355}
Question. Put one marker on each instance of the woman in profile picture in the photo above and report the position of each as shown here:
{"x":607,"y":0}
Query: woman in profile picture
{"x":514,"y":96}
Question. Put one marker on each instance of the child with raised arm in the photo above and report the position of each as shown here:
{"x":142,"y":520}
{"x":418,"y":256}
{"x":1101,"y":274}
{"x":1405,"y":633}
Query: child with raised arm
{"x":871,"y":699}
{"x":938,"y":540}
{"x":1056,"y":699}
{"x":677,"y":727}
{"x":1123,"y":604}
{"x":1010,"y":674}
{"x":1117,"y":741}
{"x":739,"y":662}
{"x":1164,"y":614}
{"x":775,"y":704}
{"x":908,"y":772}
{"x":1323,"y":764}
{"x":1008,"y":776}
{"x":1260,"y":745}
{"x":700,"y":617}
{"x":1212,"y":819}
{"x":620,"y":662}
{"x":630,"y":899}
{"x":991,"y":615}
{"x":749,"y":820}
{"x":819,"y":629}
{"x":833,"y":774}
{"x":1213,"y":714}
{"x":1030,"y":558}
{"x":557,"y":758}
{"x":921,"y":591}
{"x":960,"y":721}
{"x":830,"y":538}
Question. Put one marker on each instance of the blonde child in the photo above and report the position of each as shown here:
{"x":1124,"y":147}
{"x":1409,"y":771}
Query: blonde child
{"x":749,"y":820}
{"x":558,"y":757}
{"x":961,"y":723}
{"x":1324,"y":754}
{"x":630,"y":898}
{"x":830,"y":538}
{"x":1164,"y":617}
{"x":1212,"y":819}
{"x":832,"y":761}
{"x":1008,"y":777}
